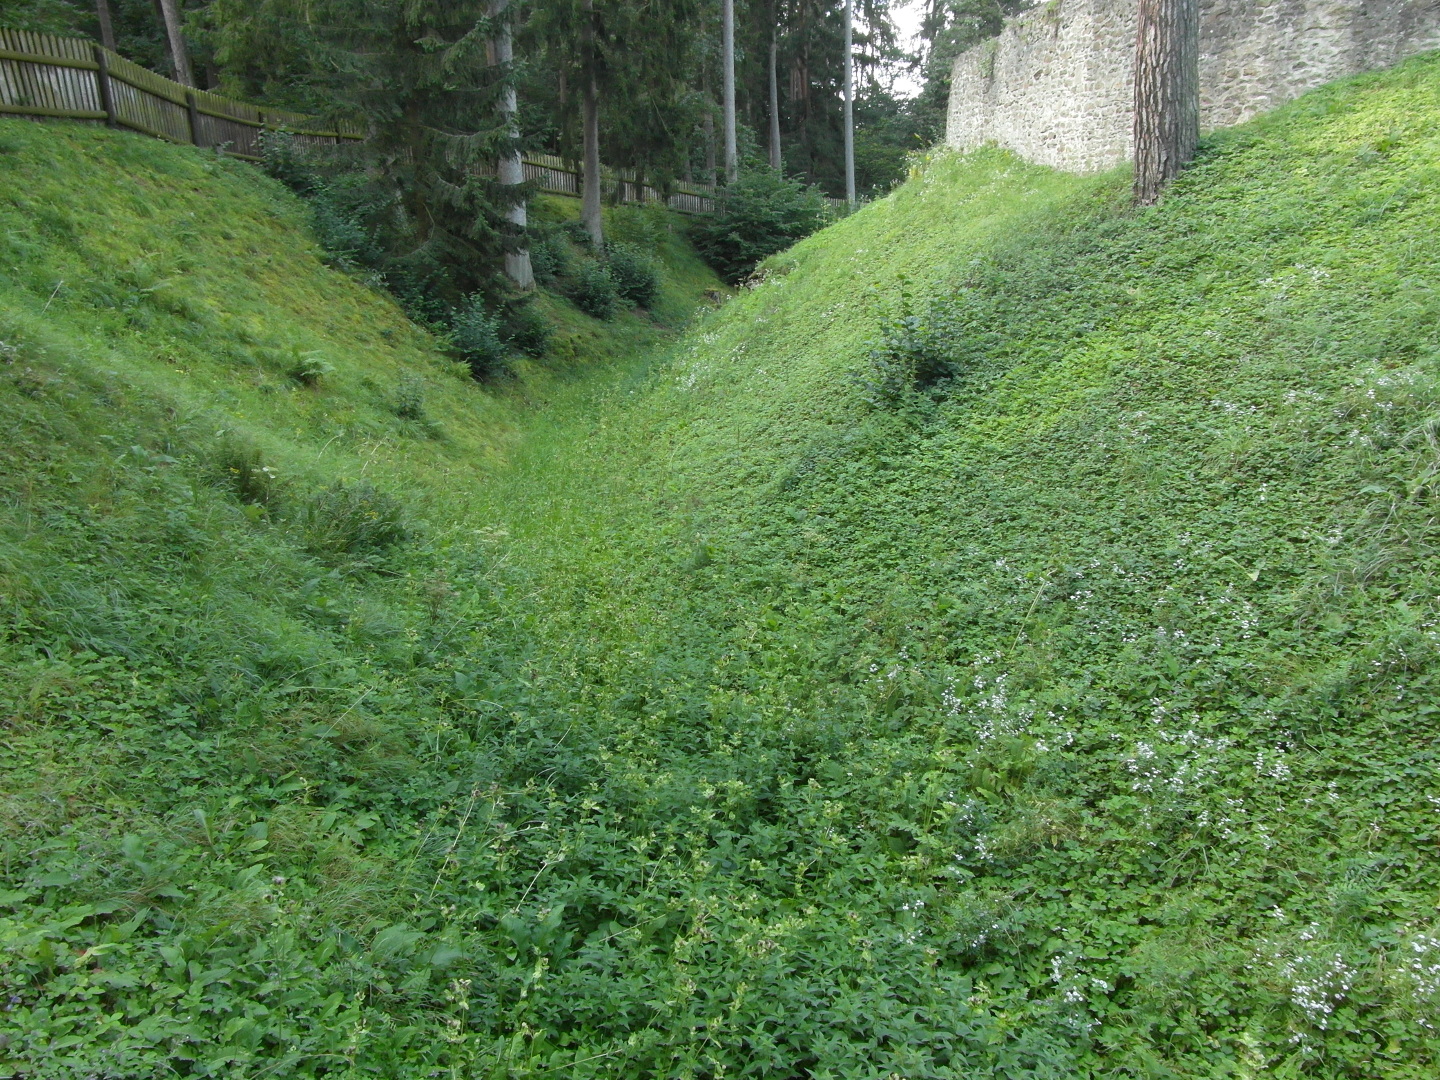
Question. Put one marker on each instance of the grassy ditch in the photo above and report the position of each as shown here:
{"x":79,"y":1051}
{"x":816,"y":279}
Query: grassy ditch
{"x":710,"y":715}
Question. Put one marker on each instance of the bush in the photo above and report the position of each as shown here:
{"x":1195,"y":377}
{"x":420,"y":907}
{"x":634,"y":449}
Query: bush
{"x":915,"y":351}
{"x":475,"y":337}
{"x":307,"y":367}
{"x":286,"y":161}
{"x":351,"y":520}
{"x":593,"y":290}
{"x":578,"y":234}
{"x":636,"y":276}
{"x":550,"y":258}
{"x":409,"y":400}
{"x":238,"y":466}
{"x":761,"y":213}
{"x":525,"y":328}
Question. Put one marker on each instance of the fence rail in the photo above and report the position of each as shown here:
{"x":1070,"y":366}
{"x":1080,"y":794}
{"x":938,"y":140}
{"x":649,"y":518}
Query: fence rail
{"x":553,"y":174}
{"x":49,"y":76}
{"x":44,"y":75}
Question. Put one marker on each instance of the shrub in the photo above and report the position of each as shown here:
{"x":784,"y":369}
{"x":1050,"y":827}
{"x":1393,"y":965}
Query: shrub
{"x":636,"y":276}
{"x":283,"y":158}
{"x":550,"y":258}
{"x":593,"y":290}
{"x":915,"y":351}
{"x":239,"y":467}
{"x":475,"y":337}
{"x":525,"y":328}
{"x":308,"y":368}
{"x":409,"y":400}
{"x":761,"y":213}
{"x":351,"y":520}
{"x":577,"y":233}
{"x":340,"y":204}
{"x":346,"y":241}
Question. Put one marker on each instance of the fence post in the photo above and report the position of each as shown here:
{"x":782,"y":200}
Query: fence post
{"x":193,"y":109}
{"x":102,"y":83}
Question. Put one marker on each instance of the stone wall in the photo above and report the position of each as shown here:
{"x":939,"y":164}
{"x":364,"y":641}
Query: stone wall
{"x":1056,"y":86}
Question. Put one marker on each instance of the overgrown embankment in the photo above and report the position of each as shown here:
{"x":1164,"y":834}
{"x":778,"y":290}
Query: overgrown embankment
{"x":1068,"y":717}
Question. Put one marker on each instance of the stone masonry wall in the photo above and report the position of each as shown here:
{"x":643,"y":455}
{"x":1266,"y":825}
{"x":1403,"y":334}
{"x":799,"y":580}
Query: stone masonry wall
{"x":1057,"y":85}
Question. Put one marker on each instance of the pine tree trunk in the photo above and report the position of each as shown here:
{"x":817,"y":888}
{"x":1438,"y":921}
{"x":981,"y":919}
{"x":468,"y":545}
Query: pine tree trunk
{"x":774,"y":91}
{"x":107,"y":25}
{"x":707,"y":124}
{"x":510,"y":170}
{"x":1167,"y":93}
{"x":179,"y":58}
{"x":590,"y":138}
{"x":727,"y":95}
{"x":849,"y":105}
{"x":590,"y":197}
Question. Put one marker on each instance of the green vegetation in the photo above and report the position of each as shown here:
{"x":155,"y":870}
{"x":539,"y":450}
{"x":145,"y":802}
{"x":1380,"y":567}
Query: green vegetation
{"x":1063,"y":711}
{"x":761,"y":213}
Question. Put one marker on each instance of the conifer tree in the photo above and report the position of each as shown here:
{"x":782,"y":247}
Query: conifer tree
{"x":631,"y":61}
{"x":107,"y":24}
{"x":179,"y":56}
{"x":727,"y":91}
{"x":509,"y":168}
{"x":419,"y":73}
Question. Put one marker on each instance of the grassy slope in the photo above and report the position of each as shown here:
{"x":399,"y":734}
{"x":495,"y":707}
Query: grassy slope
{"x":1119,"y":659}
{"x":1074,"y":722}
{"x":194,"y":608}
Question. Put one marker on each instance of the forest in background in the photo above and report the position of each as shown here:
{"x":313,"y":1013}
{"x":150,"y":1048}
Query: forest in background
{"x":453,"y":92}
{"x":661,"y":90}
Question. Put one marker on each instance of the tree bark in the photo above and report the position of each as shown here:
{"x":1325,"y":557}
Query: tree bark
{"x":849,"y":104}
{"x":590,"y":196}
{"x":774,"y":90}
{"x":590,"y":135}
{"x":509,"y":168}
{"x":707,"y":124}
{"x":179,"y":58}
{"x":1167,"y":93}
{"x":107,"y":25}
{"x":727,"y":95}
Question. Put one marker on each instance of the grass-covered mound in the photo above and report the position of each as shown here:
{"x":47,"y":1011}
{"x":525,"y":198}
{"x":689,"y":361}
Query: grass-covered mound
{"x":239,"y":553}
{"x":721,"y":718}
{"x":1072,"y":718}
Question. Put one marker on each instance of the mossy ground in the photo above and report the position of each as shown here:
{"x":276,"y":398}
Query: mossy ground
{"x":1074,"y":720}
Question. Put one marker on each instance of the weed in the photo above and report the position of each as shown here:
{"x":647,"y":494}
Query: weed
{"x":408,"y":401}
{"x":239,"y":467}
{"x":350,"y":520}
{"x":307,"y":367}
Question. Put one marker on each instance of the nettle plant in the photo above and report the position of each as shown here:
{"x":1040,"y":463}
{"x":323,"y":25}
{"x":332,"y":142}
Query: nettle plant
{"x":916,"y":350}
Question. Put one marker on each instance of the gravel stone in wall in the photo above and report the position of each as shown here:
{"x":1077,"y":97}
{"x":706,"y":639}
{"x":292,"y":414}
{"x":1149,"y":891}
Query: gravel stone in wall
{"x":1057,"y":85}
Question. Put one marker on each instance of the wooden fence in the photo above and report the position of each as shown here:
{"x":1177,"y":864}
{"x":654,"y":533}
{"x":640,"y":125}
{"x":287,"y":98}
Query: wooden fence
{"x":44,"y":75}
{"x":555,"y":175}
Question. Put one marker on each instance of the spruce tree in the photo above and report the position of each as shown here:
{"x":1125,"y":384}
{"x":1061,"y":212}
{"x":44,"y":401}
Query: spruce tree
{"x":418,"y":73}
{"x":629,"y":63}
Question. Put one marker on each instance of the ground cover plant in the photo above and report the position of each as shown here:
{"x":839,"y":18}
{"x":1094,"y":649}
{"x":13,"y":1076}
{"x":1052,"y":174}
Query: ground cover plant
{"x":1063,"y":710}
